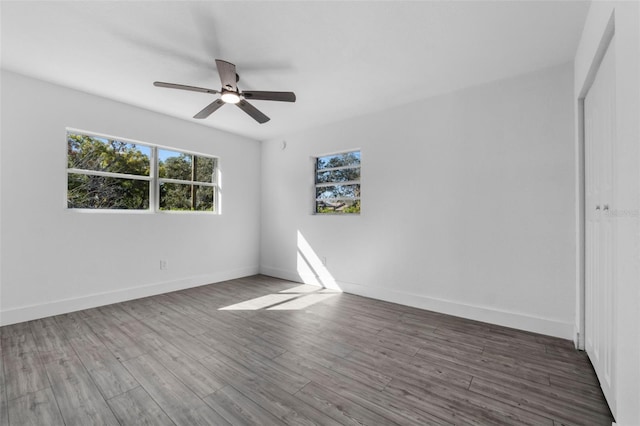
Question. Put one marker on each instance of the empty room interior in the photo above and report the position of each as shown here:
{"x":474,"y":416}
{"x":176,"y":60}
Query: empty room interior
{"x":412,"y":213}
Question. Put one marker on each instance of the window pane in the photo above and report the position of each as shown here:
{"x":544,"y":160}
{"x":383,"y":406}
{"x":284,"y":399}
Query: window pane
{"x":338,"y":206}
{"x":342,"y":175}
{"x":176,"y":196}
{"x":174,"y":165}
{"x":338,"y":160}
{"x":99,"y":192}
{"x":106,"y":155}
{"x":338,"y":191}
{"x":178,"y":165}
{"x":204,"y":169}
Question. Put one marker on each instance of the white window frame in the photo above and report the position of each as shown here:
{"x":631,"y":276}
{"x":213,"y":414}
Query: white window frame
{"x":215,"y":182}
{"x":154,"y":180}
{"x":334,"y":183}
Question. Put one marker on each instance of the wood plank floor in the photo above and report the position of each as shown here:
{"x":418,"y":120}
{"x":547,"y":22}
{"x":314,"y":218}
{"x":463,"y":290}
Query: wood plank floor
{"x":264,"y":351}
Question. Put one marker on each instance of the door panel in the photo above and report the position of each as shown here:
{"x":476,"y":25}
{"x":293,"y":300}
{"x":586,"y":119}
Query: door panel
{"x":600,"y":120}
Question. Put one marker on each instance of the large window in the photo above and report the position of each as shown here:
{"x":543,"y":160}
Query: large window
{"x":337,"y":183}
{"x":105,"y":173}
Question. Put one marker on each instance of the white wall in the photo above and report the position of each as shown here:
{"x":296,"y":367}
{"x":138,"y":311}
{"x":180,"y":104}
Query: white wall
{"x":623,"y":18}
{"x":56,"y":260}
{"x":467,"y":206}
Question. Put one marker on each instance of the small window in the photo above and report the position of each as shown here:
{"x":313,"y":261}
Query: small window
{"x":337,"y":183}
{"x":105,"y":173}
{"x":186,"y":181}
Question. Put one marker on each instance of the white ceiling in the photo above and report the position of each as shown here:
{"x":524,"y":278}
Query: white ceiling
{"x":342,"y":59}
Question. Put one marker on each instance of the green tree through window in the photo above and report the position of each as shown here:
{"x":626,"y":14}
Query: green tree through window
{"x":122,"y":181}
{"x":337,"y":183}
{"x":183,"y":179}
{"x":111,"y":174}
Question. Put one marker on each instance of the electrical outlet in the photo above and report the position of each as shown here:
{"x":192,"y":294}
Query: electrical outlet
{"x":164,"y":265}
{"x":324,"y":260}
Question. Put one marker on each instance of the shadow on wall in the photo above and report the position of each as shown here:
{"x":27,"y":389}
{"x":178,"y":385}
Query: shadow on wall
{"x":319,"y":285}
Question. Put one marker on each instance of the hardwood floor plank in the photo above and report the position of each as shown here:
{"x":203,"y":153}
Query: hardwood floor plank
{"x":418,"y":332}
{"x":398,"y":342}
{"x":454,"y":346}
{"x":195,"y":309}
{"x":191,"y":345}
{"x":193,"y":325}
{"x":578,"y":388}
{"x":181,"y":405}
{"x":341,"y":409}
{"x":289,"y":337}
{"x":417,"y":317}
{"x":4,"y":410}
{"x":50,"y":338}
{"x":476,"y":408}
{"x":72,"y":324}
{"x":291,"y":341}
{"x":36,"y":408}
{"x":357,"y":371}
{"x":345,"y":337}
{"x":508,"y":366}
{"x":122,"y":345}
{"x":286,"y":407}
{"x":482,"y":338}
{"x":251,"y":342}
{"x":23,"y":374}
{"x":79,"y":400}
{"x":265,"y":368}
{"x":240,"y":410}
{"x":474,"y":369}
{"x":143,"y":309}
{"x":539,"y":404}
{"x":190,"y":372}
{"x":386,"y":406}
{"x":545,"y":364}
{"x":403,"y":366}
{"x":104,"y":368}
{"x":17,"y":339}
{"x":51,"y":341}
{"x":136,"y":408}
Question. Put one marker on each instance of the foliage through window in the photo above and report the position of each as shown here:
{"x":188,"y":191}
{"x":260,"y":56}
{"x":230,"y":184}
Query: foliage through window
{"x":115,"y":174}
{"x":186,"y":181}
{"x":337,"y":183}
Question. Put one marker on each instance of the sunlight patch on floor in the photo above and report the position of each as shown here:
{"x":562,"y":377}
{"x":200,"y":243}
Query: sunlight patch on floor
{"x":294,"y":298}
{"x":302,"y":302}
{"x":319,"y":285}
{"x":261,"y":302}
{"x":301,"y":289}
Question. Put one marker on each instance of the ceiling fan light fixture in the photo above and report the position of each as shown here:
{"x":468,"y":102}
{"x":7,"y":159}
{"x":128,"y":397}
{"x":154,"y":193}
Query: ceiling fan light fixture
{"x":230,"y":94}
{"x":230,"y":97}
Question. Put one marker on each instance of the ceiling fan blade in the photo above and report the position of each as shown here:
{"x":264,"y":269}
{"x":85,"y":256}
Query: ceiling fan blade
{"x":270,"y":96}
{"x":209,"y":109}
{"x":183,"y":87}
{"x":227,"y":73}
{"x":253,"y":111}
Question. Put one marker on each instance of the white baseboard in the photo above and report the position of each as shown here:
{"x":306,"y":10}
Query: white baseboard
{"x":479,"y":313}
{"x":57,"y":307}
{"x":285,"y":274}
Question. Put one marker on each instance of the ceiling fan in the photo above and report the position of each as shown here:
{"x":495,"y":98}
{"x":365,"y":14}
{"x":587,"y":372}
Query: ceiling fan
{"x":230,"y":94}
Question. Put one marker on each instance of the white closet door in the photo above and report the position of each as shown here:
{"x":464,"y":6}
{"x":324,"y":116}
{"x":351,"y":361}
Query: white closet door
{"x":600,"y":120}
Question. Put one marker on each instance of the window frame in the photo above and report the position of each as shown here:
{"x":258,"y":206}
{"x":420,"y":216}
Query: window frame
{"x":317,"y":185}
{"x":154,"y":179}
